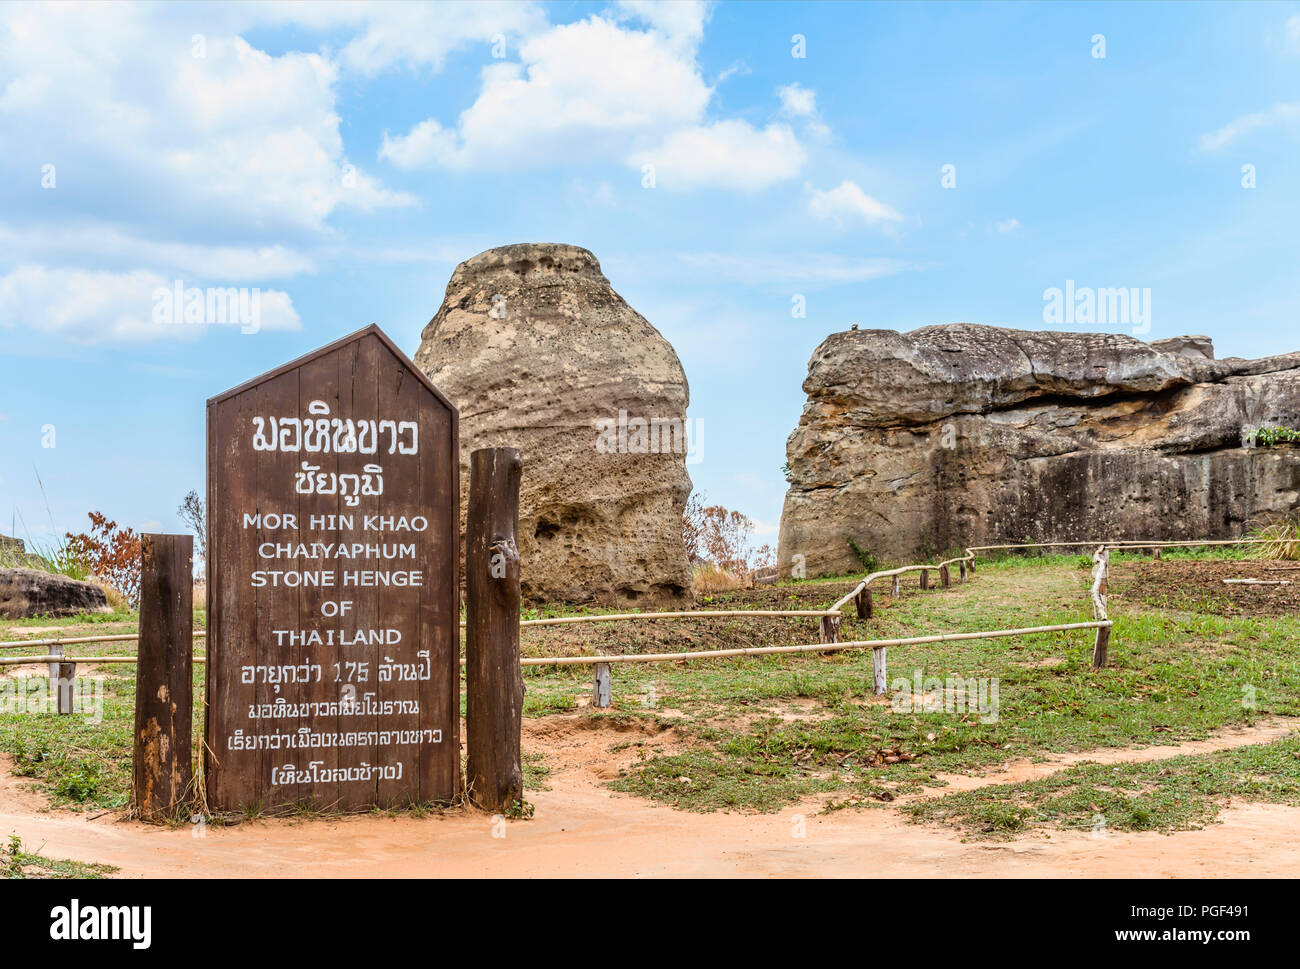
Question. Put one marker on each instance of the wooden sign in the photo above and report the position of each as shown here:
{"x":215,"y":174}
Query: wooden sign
{"x":333,"y":675}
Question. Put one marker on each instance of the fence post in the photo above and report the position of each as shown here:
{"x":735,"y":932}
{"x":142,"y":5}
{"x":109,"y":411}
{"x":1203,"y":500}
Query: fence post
{"x":1100,"y":608}
{"x":602,"y":688}
{"x":494,"y":683}
{"x":162,"y":766}
{"x":962,"y":566}
{"x":945,"y":577}
{"x":67,"y":677}
{"x":55,"y":650}
{"x":878,"y":670}
{"x":895,"y":589}
{"x":1156,"y":555}
{"x":830,"y":629}
{"x":925,"y":578}
{"x":864,"y":604}
{"x":971,"y":566}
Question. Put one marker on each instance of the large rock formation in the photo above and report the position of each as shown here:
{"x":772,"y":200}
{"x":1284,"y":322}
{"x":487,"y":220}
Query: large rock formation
{"x":538,"y":352}
{"x":25,"y":593}
{"x":914,"y":443}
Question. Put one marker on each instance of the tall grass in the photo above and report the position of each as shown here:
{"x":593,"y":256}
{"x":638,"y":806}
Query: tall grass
{"x":1281,"y":538}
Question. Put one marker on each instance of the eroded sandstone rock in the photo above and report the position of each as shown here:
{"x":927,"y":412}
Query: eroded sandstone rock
{"x":536,"y":350}
{"x":25,"y":593}
{"x":957,"y":435}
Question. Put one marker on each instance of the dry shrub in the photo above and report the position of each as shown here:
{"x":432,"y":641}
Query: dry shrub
{"x":116,"y":601}
{"x":719,"y":537}
{"x":1281,"y":538}
{"x":111,"y":553}
{"x":708,"y":578}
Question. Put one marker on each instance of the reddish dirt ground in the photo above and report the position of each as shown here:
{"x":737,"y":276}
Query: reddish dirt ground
{"x":582,"y":829}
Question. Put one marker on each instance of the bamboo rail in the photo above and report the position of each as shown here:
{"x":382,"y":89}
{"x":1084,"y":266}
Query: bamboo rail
{"x":829,"y":628}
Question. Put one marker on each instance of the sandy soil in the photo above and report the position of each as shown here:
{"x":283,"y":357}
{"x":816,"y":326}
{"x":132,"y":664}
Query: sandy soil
{"x":582,"y":829}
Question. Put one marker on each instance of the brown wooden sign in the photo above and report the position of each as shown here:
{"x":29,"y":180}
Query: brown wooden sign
{"x":333,"y":674}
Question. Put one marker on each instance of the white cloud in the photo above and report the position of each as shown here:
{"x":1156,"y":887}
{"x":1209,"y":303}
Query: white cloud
{"x":94,"y":306}
{"x":681,"y":22}
{"x":726,"y":154}
{"x":1007,"y":226}
{"x":238,"y":137}
{"x":797,"y":101}
{"x":591,"y":87}
{"x":106,"y":244}
{"x":602,"y":90}
{"x":1293,"y":34}
{"x":847,"y":202}
{"x":1281,"y":113}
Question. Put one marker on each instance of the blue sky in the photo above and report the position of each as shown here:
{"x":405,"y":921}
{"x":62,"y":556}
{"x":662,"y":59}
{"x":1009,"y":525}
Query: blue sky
{"x":343,"y":158}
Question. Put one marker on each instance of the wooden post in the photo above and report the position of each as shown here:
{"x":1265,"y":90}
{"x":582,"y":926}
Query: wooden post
{"x":162,"y":766}
{"x":67,"y":677}
{"x":864,"y":604}
{"x":1100,"y":647}
{"x":878,"y":670}
{"x":494,"y":683}
{"x":962,"y":565}
{"x":602,"y":689}
{"x":972,"y":565}
{"x":925,"y":578}
{"x":1156,"y":555}
{"x":830,"y":629}
{"x":55,"y":650}
{"x":945,"y":577}
{"x":895,"y":590}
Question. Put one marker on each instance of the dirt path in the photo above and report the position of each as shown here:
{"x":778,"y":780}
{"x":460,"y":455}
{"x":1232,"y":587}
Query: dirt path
{"x":582,"y":829}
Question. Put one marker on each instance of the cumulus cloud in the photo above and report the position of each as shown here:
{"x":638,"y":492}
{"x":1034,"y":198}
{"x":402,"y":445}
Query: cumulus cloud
{"x":847,"y":202}
{"x":604,"y":90}
{"x":797,"y":101}
{"x":726,"y":154}
{"x":172,"y":146}
{"x":94,"y":306}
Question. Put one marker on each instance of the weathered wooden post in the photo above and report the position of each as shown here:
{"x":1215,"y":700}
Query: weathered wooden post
{"x":878,"y":670}
{"x":1101,"y":589}
{"x":65,"y":685}
{"x":1157,"y":553}
{"x":864,"y":603}
{"x":494,"y":683}
{"x":925,"y":578}
{"x":602,"y":688}
{"x":830,"y":629}
{"x":162,"y":765}
{"x":962,"y":566}
{"x":55,"y":650}
{"x":894,"y":591}
{"x":971,"y":567}
{"x":945,"y":577}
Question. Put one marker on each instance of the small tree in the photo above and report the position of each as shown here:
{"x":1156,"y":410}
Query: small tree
{"x":193,"y":513}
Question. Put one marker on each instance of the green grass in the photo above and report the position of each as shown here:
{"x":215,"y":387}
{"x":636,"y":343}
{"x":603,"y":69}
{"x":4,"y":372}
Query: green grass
{"x":1178,"y":794}
{"x":760,"y":733}
{"x":17,"y":862}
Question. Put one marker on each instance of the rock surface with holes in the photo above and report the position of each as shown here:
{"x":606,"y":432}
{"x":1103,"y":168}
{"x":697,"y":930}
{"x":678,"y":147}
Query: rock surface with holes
{"x":538,"y":352}
{"x":915,"y":443}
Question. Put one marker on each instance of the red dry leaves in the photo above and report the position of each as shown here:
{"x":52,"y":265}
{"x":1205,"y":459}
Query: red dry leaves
{"x":111,"y":554}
